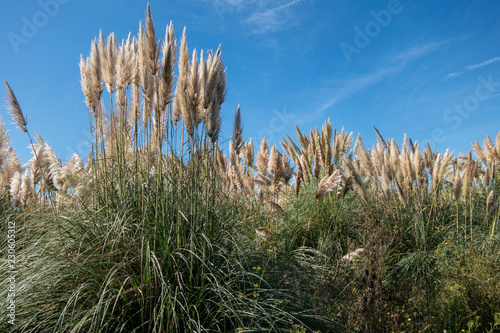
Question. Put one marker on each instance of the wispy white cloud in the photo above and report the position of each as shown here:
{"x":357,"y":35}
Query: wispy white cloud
{"x":398,"y":61}
{"x":452,"y":75}
{"x":229,"y":6}
{"x":472,"y":67}
{"x":482,"y":64}
{"x":262,"y":16}
{"x":235,"y":3}
{"x":419,"y":51}
{"x":352,"y":86}
{"x":274,"y":18}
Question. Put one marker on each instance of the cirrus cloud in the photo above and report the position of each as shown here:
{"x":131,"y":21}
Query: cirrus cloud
{"x":472,"y":67}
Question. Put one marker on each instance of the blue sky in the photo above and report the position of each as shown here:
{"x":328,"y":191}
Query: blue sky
{"x":430,"y":69}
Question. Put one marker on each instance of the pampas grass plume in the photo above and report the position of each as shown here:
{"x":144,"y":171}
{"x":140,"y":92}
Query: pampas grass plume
{"x":169,"y":53}
{"x":262,"y":156}
{"x":329,"y":183}
{"x":238,"y":131}
{"x":353,"y":254}
{"x":109,"y":54}
{"x":193,"y":92}
{"x":298,"y":182}
{"x":263,"y":232}
{"x":249,"y":153}
{"x":15,"y":110}
{"x":15,"y":187}
{"x":380,"y":137}
{"x":274,"y":161}
{"x":489,"y":200}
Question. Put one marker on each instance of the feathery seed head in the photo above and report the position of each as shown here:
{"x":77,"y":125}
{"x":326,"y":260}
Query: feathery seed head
{"x":298,"y":181}
{"x":125,"y":63}
{"x":109,"y":55}
{"x":15,"y":187}
{"x":15,"y":110}
{"x":328,"y":183}
{"x":95,"y":73}
{"x":489,"y":200}
{"x":457,"y":185}
{"x":286,"y":169}
{"x":148,"y":85}
{"x":183,"y":61}
{"x":238,"y":131}
{"x":169,"y":54}
{"x":202,"y":68}
{"x":262,"y":156}
{"x":263,"y":232}
{"x":26,"y":189}
{"x":274,"y":161}
{"x":192,"y":93}
{"x":151,"y":43}
{"x":249,"y":153}
{"x":215,"y":94}
{"x":180,"y":99}
{"x":381,"y":139}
